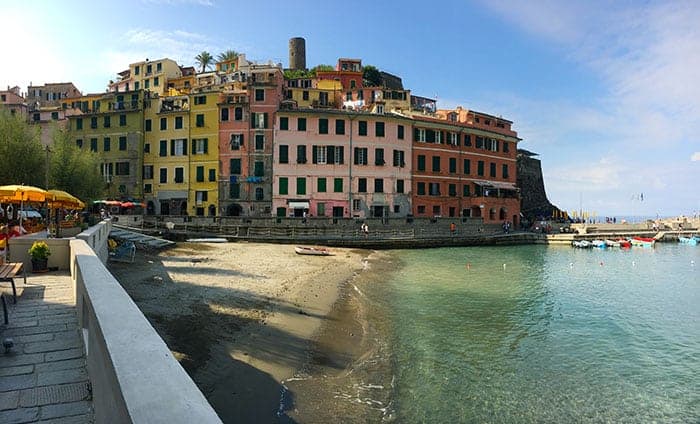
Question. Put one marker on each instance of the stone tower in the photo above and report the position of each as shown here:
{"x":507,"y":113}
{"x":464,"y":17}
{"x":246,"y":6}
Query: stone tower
{"x":297,"y":53}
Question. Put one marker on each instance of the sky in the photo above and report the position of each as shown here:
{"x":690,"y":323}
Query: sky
{"x":606,"y":92}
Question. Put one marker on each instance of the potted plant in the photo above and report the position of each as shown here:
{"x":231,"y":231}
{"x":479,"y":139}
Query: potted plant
{"x":40,"y":253}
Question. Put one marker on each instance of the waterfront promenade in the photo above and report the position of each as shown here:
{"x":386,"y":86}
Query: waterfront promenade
{"x":44,"y":378}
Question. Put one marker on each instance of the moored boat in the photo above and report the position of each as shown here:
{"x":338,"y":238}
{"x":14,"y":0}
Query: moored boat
{"x":582,"y":244}
{"x":693,"y":241}
{"x":643,"y":241}
{"x":612,"y":243}
{"x":624,"y":243}
{"x":599,"y":244}
{"x":314,"y":251}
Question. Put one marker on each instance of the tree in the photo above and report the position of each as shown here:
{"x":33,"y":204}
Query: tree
{"x":73,"y":169}
{"x":23,"y":156}
{"x":204,"y":59}
{"x":371,"y":76}
{"x":227,"y":56}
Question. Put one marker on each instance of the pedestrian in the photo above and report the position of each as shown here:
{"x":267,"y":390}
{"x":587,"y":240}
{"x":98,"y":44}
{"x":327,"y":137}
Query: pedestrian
{"x":453,"y":228}
{"x":365,"y":229}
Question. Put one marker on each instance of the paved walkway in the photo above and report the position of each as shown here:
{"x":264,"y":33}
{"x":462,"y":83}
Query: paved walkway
{"x":43,"y":378}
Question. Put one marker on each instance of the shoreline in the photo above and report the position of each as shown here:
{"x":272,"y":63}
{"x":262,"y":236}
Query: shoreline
{"x":241,"y":318}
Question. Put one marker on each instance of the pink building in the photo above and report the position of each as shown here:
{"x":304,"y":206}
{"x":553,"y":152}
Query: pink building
{"x":341,"y":164}
{"x":12,"y":100}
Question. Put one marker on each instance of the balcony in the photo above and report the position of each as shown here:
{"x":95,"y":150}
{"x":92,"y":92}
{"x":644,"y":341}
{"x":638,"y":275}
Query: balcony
{"x":132,"y":105}
{"x":174,"y":106}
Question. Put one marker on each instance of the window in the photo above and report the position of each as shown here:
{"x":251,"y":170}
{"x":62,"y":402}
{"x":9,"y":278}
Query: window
{"x":163,"y":124}
{"x":107,"y":171}
{"x":436,"y":210}
{"x":180,"y":175}
{"x":259,"y":141}
{"x":284,"y":123}
{"x":147,"y":148}
{"x":259,"y":193}
{"x":163,"y":175}
{"x":122,"y":168}
{"x":156,"y":82}
{"x":467,"y":166}
{"x":234,"y":191}
{"x":434,"y":189}
{"x":436,"y":163}
{"x":149,"y":69}
{"x":479,"y":144}
{"x":178,"y":147}
{"x":362,"y":128}
{"x":399,"y":158}
{"x":107,"y":121}
{"x":323,"y":126}
{"x":379,"y":129}
{"x":353,"y":84}
{"x":200,"y":100}
{"x":200,"y":174}
{"x":79,"y":143}
{"x":492,"y":170}
{"x":419,"y":135}
{"x":238,"y":114}
{"x":235,"y":165}
{"x":439,"y":137}
{"x":465,"y":190}
{"x":379,"y":185}
{"x":106,"y":145}
{"x":506,"y":148}
{"x":79,"y":124}
{"x":148,"y":188}
{"x":301,"y":154}
{"x":452,"y":190}
{"x":360,"y":156}
{"x":163,"y":151}
{"x":480,"y":168}
{"x":504,"y":169}
{"x":340,"y":126}
{"x":400,"y":130}
{"x":259,"y":170}
{"x":122,"y":143}
{"x":421,"y":210}
{"x":137,"y":85}
{"x":421,"y":162}
{"x":356,"y":204}
{"x":200,"y":197}
{"x":362,"y":185}
{"x":397,"y":208}
{"x":337,"y":185}
{"x":321,"y":185}
{"x":200,"y":146}
{"x":178,"y":122}
{"x":283,"y":185}
{"x":379,"y":157}
{"x":399,"y":186}
{"x":93,"y":122}
{"x":148,"y":125}
{"x":159,"y":67}
{"x":259,"y":95}
{"x":305,"y":95}
{"x":301,"y":185}
{"x":93,"y":144}
{"x":467,"y":140}
{"x":122,"y":120}
{"x":284,"y":153}
{"x":319,"y":154}
{"x":420,"y":187}
{"x":212,"y":175}
{"x":199,"y":120}
{"x":454,"y":139}
{"x":148,"y":172}
{"x":301,"y":124}
{"x":453,"y":165}
{"x":236,"y":141}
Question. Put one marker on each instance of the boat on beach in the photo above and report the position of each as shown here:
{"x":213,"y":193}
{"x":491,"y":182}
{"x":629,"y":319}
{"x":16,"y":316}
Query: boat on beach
{"x":313,"y":251}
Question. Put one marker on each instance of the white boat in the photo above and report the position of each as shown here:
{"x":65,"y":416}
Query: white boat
{"x":314,"y":251}
{"x":583,"y":244}
{"x":599,"y":244}
{"x":612,"y":243}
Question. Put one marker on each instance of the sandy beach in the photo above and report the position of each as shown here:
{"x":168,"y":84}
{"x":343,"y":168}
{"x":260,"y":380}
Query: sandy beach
{"x":242,"y":317}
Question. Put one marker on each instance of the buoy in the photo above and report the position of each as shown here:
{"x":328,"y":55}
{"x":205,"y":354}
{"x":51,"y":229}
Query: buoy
{"x":633,"y":263}
{"x":469,"y":266}
{"x":692,"y":263}
{"x":504,"y":267}
{"x":571,"y":265}
{"x":601,"y":264}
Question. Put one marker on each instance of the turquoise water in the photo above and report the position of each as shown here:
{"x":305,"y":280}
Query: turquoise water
{"x":540,"y":334}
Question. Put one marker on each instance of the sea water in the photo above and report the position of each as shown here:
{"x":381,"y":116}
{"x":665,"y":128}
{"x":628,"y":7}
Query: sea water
{"x":528,"y":334}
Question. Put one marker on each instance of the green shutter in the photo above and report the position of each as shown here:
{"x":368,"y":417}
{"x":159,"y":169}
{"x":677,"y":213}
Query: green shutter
{"x":314,"y":154}
{"x":284,"y":185}
{"x":338,"y":185}
{"x":321,"y":185}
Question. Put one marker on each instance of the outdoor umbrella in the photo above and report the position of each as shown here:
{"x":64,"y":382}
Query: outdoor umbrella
{"x":59,"y":198}
{"x":20,"y":194}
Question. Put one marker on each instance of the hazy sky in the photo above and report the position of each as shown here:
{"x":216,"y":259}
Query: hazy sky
{"x":606,"y":92}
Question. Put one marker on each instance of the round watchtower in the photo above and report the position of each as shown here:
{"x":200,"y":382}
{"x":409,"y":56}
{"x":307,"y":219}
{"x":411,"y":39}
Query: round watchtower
{"x":297,"y":53}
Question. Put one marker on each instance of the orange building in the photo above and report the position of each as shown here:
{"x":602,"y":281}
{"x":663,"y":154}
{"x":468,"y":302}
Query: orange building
{"x":464,"y":164}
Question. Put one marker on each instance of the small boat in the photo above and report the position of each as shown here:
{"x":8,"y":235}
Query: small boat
{"x":314,"y":251}
{"x":582,"y":244}
{"x":643,"y":241}
{"x":599,"y":244}
{"x":693,"y":241}
{"x":612,"y":243}
{"x":624,"y":243}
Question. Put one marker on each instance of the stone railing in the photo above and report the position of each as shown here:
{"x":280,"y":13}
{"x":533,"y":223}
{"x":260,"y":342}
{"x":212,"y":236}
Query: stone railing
{"x":134,"y":376}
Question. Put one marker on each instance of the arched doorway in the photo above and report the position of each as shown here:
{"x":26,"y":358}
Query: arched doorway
{"x":234,"y":209}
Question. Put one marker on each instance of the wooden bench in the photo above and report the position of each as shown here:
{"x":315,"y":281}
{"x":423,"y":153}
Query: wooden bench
{"x":9,"y":271}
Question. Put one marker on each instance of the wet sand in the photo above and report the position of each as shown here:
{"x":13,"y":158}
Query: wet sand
{"x":242,"y":318}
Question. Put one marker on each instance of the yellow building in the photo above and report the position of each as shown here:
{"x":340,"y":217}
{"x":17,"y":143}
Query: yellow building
{"x":307,"y":93}
{"x":204,"y":153}
{"x":151,"y":75}
{"x":166,"y":168}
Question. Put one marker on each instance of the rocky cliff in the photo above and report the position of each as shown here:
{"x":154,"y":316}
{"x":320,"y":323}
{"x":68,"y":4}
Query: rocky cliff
{"x":534,"y":202}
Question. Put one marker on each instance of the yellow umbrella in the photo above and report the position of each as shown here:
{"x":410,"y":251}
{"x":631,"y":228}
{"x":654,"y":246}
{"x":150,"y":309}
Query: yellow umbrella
{"x":21,"y":193}
{"x":59,"y":198}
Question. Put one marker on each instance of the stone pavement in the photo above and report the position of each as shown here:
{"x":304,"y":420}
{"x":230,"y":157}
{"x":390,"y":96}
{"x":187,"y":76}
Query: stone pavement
{"x":43,"y":378}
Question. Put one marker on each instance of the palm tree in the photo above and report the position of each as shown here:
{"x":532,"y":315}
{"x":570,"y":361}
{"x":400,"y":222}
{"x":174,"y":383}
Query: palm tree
{"x":228,"y":56}
{"x":204,"y":59}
